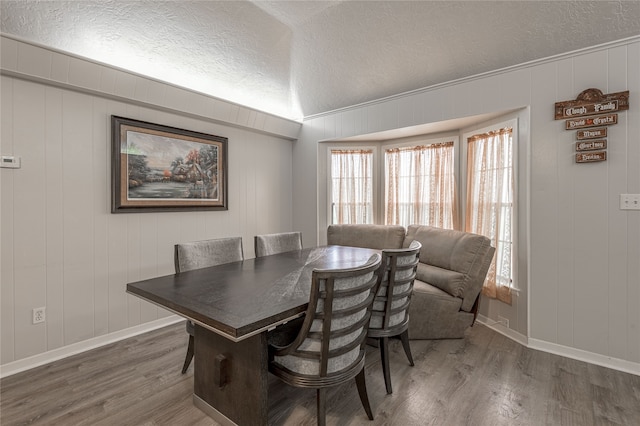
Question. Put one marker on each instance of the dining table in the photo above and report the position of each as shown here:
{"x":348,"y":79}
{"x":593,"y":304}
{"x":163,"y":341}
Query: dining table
{"x":233,"y":307}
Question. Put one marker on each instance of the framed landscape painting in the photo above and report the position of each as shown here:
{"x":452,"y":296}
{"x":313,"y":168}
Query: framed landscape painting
{"x":159,"y":168}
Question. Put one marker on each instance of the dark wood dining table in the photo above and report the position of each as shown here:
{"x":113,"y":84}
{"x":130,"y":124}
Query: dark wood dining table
{"x":233,"y":306}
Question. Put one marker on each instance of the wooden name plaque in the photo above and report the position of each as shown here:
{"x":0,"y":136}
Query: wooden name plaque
{"x":600,"y":120}
{"x":591,"y":157}
{"x":591,"y":145}
{"x":591,"y":102}
{"x":592,"y":133}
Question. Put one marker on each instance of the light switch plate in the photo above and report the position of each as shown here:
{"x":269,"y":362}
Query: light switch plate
{"x":629,"y":201}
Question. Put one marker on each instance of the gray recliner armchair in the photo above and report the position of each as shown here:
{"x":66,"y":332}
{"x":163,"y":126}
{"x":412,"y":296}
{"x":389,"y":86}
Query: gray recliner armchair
{"x":452,"y":269}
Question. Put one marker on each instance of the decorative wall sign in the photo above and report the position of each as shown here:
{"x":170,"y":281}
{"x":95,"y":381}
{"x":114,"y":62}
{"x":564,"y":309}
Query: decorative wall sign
{"x":600,"y":120}
{"x":159,"y":168}
{"x":592,"y":133}
{"x":590,"y":102}
{"x":591,"y":145}
{"x":591,"y":157}
{"x":591,"y":109}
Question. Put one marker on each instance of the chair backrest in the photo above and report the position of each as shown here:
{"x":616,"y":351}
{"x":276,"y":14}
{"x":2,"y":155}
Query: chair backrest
{"x":331,"y":339}
{"x":268,"y":244}
{"x":202,"y":254}
{"x":366,"y":235}
{"x":390,"y":311}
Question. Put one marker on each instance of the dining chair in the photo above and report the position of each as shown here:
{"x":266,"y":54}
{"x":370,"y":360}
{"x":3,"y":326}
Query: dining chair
{"x":390,"y":311}
{"x":268,"y":244}
{"x":329,"y":347}
{"x":202,"y":254}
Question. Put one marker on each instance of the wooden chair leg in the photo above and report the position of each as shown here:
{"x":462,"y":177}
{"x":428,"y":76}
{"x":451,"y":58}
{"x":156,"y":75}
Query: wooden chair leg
{"x":362,"y":391}
{"x":404,"y":337}
{"x":384,"y":358}
{"x":189,"y":357}
{"x":322,"y":406}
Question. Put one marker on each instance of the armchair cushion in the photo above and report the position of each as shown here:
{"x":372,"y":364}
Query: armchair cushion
{"x":446,"y":248}
{"x":450,"y":281}
{"x":435,"y":314}
{"x":452,"y":304}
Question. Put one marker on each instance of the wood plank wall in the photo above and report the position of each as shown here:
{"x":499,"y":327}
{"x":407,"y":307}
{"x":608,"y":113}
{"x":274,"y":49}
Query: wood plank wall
{"x":61,"y":247}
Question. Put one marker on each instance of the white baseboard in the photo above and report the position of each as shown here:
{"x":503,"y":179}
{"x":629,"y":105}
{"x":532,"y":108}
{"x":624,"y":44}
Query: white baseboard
{"x":500,"y":328}
{"x":565,"y":351}
{"x":76,"y":348}
{"x":590,"y":357}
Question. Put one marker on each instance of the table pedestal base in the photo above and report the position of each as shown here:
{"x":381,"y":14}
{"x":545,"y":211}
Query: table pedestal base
{"x":231,"y":378}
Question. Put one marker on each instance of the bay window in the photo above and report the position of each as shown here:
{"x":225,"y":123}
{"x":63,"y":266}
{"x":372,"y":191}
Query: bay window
{"x":419,"y":178}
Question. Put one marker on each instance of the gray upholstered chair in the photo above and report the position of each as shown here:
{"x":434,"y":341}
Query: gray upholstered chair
{"x":328,"y":348}
{"x":268,"y":244}
{"x":390,"y":312}
{"x":452,"y":269}
{"x":202,"y":254}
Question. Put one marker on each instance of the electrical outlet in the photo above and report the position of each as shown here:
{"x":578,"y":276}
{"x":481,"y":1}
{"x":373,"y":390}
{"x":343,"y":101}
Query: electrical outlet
{"x":629,"y":201}
{"x":504,"y":321}
{"x":39,"y":315}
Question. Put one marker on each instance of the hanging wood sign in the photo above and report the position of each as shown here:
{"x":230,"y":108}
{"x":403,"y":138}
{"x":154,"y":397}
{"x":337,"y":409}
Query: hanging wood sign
{"x":592,"y":133}
{"x":591,"y":157}
{"x":594,"y":109}
{"x":599,"y":120}
{"x":590,"y":102}
{"x":591,"y":145}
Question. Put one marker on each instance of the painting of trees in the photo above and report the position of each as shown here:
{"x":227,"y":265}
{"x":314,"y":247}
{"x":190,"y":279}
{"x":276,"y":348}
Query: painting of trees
{"x":172,"y":166}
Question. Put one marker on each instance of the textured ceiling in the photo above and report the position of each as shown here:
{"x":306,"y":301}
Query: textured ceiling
{"x":299,"y":58}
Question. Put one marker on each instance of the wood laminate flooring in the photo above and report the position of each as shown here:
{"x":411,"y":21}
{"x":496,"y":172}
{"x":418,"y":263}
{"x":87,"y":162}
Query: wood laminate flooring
{"x":484,"y":379}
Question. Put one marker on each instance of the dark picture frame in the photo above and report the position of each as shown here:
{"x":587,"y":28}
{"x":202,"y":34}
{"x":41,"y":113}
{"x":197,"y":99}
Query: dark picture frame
{"x":158,"y":168}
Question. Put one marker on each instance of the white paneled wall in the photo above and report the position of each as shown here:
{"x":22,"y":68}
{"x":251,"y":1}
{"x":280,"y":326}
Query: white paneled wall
{"x":580,"y":263}
{"x":61,"y":247}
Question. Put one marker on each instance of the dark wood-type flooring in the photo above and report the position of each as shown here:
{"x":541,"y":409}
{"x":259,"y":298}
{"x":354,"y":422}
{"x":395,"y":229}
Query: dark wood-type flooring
{"x":484,"y":379}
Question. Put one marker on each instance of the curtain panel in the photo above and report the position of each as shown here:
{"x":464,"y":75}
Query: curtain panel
{"x":421,"y":186}
{"x":352,"y":186}
{"x":489,"y":212}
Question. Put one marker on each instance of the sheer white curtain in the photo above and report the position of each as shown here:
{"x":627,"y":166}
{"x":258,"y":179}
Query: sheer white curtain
{"x":352,"y":186}
{"x":489,"y":212}
{"x":421,"y":186}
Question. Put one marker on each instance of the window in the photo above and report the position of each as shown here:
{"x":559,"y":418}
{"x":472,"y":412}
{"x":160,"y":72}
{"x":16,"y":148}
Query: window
{"x":420,"y":185}
{"x":351,"y":186}
{"x":490,"y":203}
{"x":469,"y":184}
